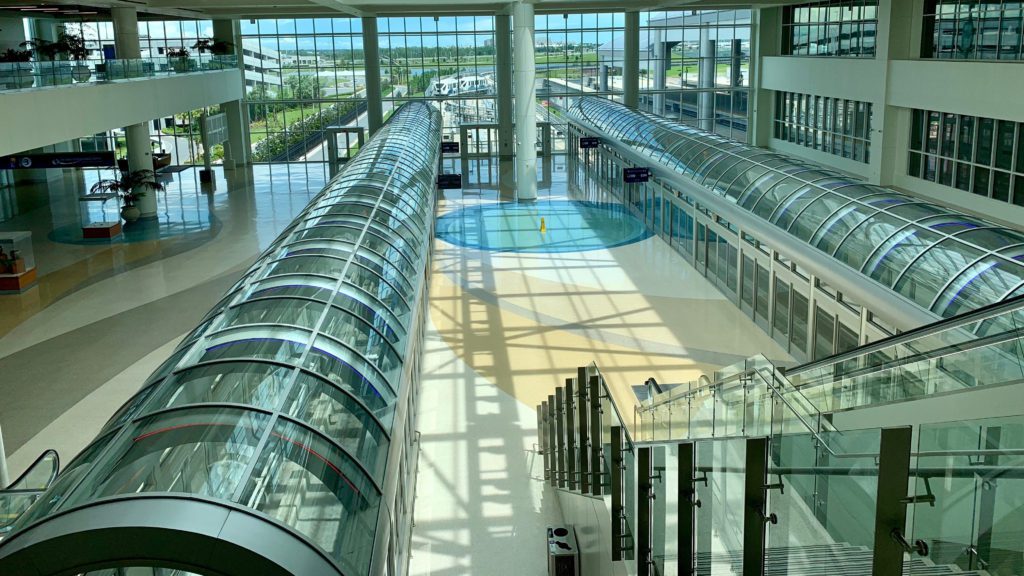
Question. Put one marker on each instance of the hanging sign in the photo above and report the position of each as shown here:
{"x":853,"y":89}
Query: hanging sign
{"x":589,"y":142}
{"x":636,"y":175}
{"x":449,"y":181}
{"x":449,"y":147}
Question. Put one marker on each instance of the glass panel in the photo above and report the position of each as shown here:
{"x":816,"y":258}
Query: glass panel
{"x":719,"y":525}
{"x":305,"y":482}
{"x":979,"y":504}
{"x":203,"y":451}
{"x":826,"y":514}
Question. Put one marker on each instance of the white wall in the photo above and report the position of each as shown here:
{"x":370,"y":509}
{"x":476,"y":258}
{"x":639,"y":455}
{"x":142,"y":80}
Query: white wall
{"x":987,"y":89}
{"x":39,"y":117}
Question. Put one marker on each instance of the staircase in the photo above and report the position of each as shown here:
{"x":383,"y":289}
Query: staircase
{"x":747,"y":466}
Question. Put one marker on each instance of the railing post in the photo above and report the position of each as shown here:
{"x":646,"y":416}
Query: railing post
{"x":644,"y":496}
{"x":890,"y":504}
{"x":542,"y":437}
{"x":617,"y":509}
{"x":560,"y":435}
{"x":597,"y":477}
{"x":582,"y":413}
{"x":987,"y":502}
{"x":570,"y":432}
{"x":552,"y":442}
{"x":755,"y":478}
{"x":687,"y":498}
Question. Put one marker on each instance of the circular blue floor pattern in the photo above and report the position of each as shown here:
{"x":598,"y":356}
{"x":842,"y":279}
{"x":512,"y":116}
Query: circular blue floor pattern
{"x":570,"y":226}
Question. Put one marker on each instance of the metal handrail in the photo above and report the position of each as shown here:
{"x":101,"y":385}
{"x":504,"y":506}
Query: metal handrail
{"x":53,"y":473}
{"x":782,"y":396}
{"x":977,"y":315}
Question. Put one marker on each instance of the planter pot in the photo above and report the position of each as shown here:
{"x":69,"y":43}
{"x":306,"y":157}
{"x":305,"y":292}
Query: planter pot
{"x":81,"y":73}
{"x":130,"y":213}
{"x":182,"y":65}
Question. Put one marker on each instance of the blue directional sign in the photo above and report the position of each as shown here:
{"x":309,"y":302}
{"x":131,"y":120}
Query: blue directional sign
{"x":449,"y":147}
{"x":636,"y":175}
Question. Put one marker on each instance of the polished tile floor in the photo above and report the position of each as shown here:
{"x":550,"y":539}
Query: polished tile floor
{"x":106,"y":313}
{"x":505,"y":328}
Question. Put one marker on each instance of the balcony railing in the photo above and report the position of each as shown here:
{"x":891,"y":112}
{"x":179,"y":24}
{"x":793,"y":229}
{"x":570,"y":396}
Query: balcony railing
{"x":32,"y":75}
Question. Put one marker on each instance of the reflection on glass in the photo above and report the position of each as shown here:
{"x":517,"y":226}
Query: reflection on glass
{"x":308,"y":484}
{"x":203,"y":451}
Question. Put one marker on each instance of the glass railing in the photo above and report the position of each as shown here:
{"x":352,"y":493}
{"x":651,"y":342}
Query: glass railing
{"x":984,"y":347}
{"x":969,"y":478}
{"x":824,"y":513}
{"x":744,"y":477}
{"x":750,"y":398}
{"x":25,"y":75}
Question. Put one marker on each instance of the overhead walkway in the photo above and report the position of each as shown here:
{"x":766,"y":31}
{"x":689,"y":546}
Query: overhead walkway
{"x":111,"y":94}
{"x":746,"y":472}
{"x":279,"y":437}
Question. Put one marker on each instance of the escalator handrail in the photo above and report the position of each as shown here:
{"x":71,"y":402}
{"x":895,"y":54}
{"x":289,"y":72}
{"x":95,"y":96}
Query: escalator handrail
{"x":24,"y":475}
{"x":976,"y":315}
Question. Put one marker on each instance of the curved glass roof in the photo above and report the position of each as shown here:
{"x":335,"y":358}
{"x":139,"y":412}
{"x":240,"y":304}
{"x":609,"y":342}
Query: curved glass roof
{"x":943,"y":260}
{"x":283,"y":400}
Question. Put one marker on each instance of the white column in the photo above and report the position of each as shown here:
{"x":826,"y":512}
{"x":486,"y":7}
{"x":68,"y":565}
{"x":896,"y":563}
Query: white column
{"x":526,"y":102}
{"x":503,"y":69}
{"x":765,"y":28}
{"x":631,"y":61}
{"x":5,"y":477}
{"x":140,"y":154}
{"x":660,"y":52}
{"x":707,"y":70}
{"x":126,"y":32}
{"x":236,"y":149}
{"x":371,"y":63}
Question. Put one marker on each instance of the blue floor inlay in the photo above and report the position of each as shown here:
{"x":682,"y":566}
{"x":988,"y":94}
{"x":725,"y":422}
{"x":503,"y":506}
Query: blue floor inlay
{"x":568,"y":226}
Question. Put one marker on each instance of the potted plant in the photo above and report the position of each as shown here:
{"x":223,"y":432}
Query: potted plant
{"x":46,"y":52}
{"x":129,"y":187}
{"x":16,"y":68}
{"x":179,"y":58}
{"x":74,"y":47}
{"x":218,"y":48}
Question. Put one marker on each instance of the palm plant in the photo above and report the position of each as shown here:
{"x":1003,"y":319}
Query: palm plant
{"x":129,"y":186}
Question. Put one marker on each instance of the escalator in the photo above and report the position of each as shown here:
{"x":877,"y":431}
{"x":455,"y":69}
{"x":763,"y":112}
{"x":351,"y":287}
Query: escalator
{"x":20,"y":494}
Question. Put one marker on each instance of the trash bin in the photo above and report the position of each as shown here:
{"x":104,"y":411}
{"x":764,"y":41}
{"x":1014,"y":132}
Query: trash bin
{"x":563,"y":555}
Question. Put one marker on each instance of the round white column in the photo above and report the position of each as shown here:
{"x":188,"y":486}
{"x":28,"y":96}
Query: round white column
{"x":526,"y":102}
{"x":140,"y":151}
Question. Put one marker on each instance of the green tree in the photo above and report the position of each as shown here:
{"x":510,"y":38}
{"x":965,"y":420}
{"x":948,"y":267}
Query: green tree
{"x":304,"y":87}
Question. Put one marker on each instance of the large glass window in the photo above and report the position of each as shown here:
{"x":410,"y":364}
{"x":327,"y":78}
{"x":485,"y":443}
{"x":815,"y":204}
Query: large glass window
{"x":830,"y":28}
{"x":832,"y":125}
{"x":301,"y":76}
{"x":972,"y":30}
{"x":449,"y":59}
{"x":978,"y":155}
{"x":695,"y":68}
